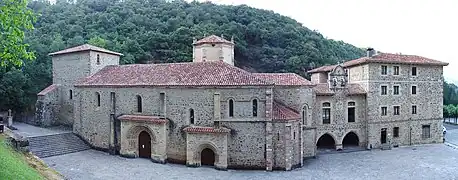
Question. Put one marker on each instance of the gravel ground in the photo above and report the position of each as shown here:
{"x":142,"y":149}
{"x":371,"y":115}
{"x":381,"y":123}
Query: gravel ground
{"x":436,"y":161}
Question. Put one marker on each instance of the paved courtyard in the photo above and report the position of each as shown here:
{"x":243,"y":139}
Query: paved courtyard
{"x":436,"y":161}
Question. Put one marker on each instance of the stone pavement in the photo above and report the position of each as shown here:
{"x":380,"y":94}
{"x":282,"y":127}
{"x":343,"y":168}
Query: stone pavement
{"x":32,"y":131}
{"x":436,"y":161}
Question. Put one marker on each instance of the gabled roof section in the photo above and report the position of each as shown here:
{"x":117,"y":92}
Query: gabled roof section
{"x":284,"y":79}
{"x":284,"y":113}
{"x":212,"y":73}
{"x":384,"y":58}
{"x":84,"y":47}
{"x":352,"y":89}
{"x":48,"y":89}
{"x":213,"y":39}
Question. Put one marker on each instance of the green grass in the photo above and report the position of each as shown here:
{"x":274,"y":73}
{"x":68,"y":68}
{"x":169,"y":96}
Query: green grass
{"x":13,"y":165}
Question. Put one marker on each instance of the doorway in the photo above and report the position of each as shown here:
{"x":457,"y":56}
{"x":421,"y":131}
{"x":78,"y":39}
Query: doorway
{"x":144,"y":145}
{"x":207,"y":157}
{"x":383,"y":136}
{"x":326,"y":142}
{"x":351,"y":139}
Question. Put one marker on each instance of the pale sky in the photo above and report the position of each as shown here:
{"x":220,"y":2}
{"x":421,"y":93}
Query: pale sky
{"x":421,"y":27}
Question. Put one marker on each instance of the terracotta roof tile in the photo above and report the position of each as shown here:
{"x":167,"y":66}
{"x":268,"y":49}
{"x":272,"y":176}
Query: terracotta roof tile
{"x":352,"y":89}
{"x":172,"y":74}
{"x":84,"y":47}
{"x":384,"y":58}
{"x":48,"y":89}
{"x":284,"y":79}
{"x":283,"y":113}
{"x":142,"y":118}
{"x":200,"y":129}
{"x":212,"y":39}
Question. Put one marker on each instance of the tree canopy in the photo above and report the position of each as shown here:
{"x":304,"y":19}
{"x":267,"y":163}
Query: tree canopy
{"x":15,"y":18}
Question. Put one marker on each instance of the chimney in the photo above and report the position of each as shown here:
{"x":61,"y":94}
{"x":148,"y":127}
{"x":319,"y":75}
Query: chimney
{"x":370,"y":52}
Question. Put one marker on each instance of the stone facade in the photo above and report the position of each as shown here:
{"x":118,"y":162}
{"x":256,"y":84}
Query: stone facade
{"x":213,"y":113}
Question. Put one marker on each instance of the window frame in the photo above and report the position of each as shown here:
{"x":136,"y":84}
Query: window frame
{"x":351,"y":105}
{"x":326,"y":112}
{"x":398,"y":90}
{"x":255,"y":107}
{"x":395,"y":132}
{"x":139,"y":104}
{"x":191,"y":116}
{"x":396,"y":70}
{"x":97,"y":94}
{"x":412,"y":88}
{"x":426,"y":135}
{"x":98,"y":60}
{"x":396,"y":110}
{"x":382,"y":112}
{"x":70,"y":94}
{"x":383,"y":70}
{"x":412,"y":71}
{"x":230,"y":108}
{"x":414,"y":109}
{"x":383,"y":93}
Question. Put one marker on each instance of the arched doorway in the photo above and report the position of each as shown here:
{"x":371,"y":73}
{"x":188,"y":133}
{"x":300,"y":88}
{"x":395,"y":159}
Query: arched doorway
{"x":144,"y":145}
{"x":351,"y":139}
{"x":326,"y":142}
{"x":207,"y":157}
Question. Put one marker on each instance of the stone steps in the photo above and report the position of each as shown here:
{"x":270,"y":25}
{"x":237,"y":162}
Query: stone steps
{"x":57,"y":144}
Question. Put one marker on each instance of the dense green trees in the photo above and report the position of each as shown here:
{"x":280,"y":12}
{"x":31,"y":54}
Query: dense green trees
{"x":450,"y":93}
{"x":15,"y":17}
{"x":158,"y":31}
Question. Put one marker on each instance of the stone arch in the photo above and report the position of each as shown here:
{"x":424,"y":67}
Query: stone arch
{"x":207,"y":145}
{"x":132,"y":137}
{"x":326,"y":141}
{"x":351,"y":139}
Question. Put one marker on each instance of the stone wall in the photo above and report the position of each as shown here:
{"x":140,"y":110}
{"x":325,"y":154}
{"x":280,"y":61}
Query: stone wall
{"x":47,"y":107}
{"x":339,"y":126}
{"x":208,"y":52}
{"x":321,"y":77}
{"x":93,"y":122}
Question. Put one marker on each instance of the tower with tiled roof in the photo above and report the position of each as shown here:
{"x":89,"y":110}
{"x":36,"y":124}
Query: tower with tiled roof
{"x":213,"y":48}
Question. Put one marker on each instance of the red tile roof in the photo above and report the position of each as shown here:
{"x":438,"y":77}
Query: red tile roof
{"x":200,"y":129}
{"x":215,"y":73}
{"x":384,"y":58}
{"x":352,"y":89}
{"x":48,"y":89}
{"x":284,"y":113}
{"x":142,"y":118}
{"x":284,"y":79}
{"x":84,"y":47}
{"x":212,"y":39}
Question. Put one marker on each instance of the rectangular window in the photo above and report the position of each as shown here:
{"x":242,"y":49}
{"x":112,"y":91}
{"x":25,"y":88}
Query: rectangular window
{"x":396,"y":110}
{"x":395,"y":90}
{"x":395,"y":70}
{"x":414,"y":89}
{"x":396,"y":132}
{"x":384,"y":90}
{"x":351,"y":112}
{"x":414,"y":109}
{"x":384,"y":70}
{"x":384,"y":111}
{"x":414,"y":71}
{"x":425,"y":129}
{"x":71,"y":94}
{"x":326,"y":113}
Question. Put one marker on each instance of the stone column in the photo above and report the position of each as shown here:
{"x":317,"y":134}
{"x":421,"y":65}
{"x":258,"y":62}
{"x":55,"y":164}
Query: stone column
{"x":216,"y":109}
{"x":10,"y":118}
{"x":288,"y":148}
{"x":269,"y":153}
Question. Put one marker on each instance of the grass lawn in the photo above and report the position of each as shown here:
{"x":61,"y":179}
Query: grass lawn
{"x":13,"y":165}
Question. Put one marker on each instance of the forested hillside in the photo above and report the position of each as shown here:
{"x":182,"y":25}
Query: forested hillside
{"x":450,"y":93}
{"x":159,"y":31}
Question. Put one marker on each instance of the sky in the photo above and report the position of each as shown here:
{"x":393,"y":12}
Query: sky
{"x":427,"y":28}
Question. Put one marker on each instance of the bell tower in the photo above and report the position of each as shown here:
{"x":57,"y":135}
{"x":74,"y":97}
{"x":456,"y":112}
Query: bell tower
{"x":213,"y":48}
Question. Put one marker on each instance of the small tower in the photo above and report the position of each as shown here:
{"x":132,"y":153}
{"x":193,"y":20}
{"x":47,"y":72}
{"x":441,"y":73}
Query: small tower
{"x":213,"y":48}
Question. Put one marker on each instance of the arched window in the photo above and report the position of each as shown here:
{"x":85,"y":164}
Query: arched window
{"x":139,"y":103}
{"x":97,"y":94}
{"x":304,"y":115}
{"x":231,"y":108}
{"x":191,"y":116}
{"x":255,"y":108}
{"x":70,"y":94}
{"x":326,"y":113}
{"x":98,"y":59}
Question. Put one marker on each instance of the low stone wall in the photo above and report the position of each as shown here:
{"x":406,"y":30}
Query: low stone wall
{"x":47,"y":107}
